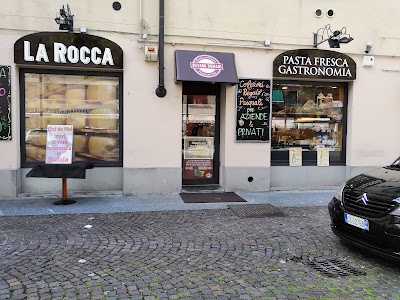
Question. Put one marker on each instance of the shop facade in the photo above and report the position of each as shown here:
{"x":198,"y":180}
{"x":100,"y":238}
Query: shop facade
{"x":236,"y":117}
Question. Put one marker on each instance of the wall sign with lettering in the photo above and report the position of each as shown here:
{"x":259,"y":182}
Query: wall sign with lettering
{"x":5,"y":103}
{"x":253,"y":110}
{"x":315,"y":64}
{"x":79,"y":50}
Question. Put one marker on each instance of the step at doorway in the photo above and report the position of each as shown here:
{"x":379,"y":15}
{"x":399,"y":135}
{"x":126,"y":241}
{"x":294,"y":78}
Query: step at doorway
{"x":209,"y":188}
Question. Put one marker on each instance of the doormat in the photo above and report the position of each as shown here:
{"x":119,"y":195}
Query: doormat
{"x":256,"y":210}
{"x":210,"y":197}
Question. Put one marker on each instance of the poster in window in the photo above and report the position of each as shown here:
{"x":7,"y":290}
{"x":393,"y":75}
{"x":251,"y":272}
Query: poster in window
{"x":253,"y":110}
{"x":5,"y":103}
{"x":197,"y":169}
{"x":198,"y":147}
{"x":323,"y":157}
{"x":295,"y":157}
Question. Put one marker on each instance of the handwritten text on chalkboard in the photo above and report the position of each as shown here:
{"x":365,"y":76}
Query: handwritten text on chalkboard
{"x":253,"y":110}
{"x":5,"y":103}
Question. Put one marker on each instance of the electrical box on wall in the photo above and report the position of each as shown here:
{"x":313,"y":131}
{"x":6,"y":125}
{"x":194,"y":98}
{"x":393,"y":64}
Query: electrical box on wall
{"x":368,"y":61}
{"x":151,"y":53}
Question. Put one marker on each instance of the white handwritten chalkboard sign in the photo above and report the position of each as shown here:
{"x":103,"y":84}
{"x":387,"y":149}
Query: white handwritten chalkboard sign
{"x":253,"y":110}
{"x":5,"y":103}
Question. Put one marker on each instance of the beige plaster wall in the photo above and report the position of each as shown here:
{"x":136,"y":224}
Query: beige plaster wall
{"x":226,"y":26}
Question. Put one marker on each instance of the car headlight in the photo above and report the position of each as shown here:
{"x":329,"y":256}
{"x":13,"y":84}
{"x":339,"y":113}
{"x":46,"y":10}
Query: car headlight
{"x":339,"y":193}
{"x":396,"y":215}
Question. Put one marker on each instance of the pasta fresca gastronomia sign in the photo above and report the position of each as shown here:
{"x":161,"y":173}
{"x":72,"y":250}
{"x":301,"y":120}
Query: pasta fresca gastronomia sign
{"x":314,"y":63}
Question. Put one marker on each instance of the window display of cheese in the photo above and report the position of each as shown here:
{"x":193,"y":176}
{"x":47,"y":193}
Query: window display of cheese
{"x":78,"y":120}
{"x":81,"y":143}
{"x":103,"y":118}
{"x":104,"y":147}
{"x":75,"y":97}
{"x":52,"y":120}
{"x":32,"y":123}
{"x":36,"y":153}
{"x":102,"y":91}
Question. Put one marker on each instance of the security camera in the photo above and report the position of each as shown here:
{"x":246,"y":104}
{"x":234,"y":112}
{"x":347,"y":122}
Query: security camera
{"x":368,"y":47}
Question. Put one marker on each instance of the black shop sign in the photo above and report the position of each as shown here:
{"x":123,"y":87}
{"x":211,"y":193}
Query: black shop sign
{"x":5,"y":103}
{"x":253,"y":110}
{"x":76,"y":50}
{"x":314,"y":64}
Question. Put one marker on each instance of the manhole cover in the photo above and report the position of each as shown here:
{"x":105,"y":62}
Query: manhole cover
{"x":334,"y":268}
{"x":256,"y":210}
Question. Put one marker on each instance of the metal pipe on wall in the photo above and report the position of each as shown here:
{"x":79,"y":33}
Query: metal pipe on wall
{"x":160,"y":90}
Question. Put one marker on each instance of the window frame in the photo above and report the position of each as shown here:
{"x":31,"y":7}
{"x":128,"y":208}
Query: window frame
{"x":23,"y":71}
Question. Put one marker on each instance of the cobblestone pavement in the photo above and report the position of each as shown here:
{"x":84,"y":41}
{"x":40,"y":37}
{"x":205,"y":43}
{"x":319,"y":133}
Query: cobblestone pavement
{"x":202,"y":254}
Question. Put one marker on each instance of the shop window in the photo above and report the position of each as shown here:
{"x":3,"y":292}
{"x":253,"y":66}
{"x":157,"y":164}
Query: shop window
{"x":90,"y":103}
{"x":309,"y":116}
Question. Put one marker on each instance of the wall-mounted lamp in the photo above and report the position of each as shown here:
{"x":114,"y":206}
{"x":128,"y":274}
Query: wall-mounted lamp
{"x":334,"y":38}
{"x":144,"y":36}
{"x":368,"y":46}
{"x":267,"y":43}
{"x":65,"y":19}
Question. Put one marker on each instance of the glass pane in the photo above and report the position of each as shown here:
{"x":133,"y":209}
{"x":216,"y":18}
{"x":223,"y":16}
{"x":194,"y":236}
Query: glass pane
{"x":89,"y":103}
{"x":307,"y":116}
{"x":198,"y":125}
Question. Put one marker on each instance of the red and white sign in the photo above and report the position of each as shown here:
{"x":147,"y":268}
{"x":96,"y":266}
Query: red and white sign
{"x":206,"y":66}
{"x":59,"y":144}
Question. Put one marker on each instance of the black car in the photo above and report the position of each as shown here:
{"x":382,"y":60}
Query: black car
{"x":366,"y":211}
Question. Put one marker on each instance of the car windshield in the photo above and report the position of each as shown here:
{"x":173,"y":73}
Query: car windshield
{"x":396,"y":163}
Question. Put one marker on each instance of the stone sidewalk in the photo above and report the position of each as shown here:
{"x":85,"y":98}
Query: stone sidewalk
{"x":185,"y":254}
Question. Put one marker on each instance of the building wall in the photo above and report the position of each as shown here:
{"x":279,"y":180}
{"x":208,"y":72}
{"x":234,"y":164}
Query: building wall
{"x":152,"y":153}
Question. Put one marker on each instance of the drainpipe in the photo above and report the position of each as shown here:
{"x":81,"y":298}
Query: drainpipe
{"x":160,"y":90}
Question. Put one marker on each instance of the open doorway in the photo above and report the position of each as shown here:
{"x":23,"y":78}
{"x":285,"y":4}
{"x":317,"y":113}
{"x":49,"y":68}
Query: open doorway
{"x":200,"y":133}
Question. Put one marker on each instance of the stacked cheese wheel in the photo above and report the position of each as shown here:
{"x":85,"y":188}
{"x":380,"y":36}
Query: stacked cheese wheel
{"x":104,"y":147}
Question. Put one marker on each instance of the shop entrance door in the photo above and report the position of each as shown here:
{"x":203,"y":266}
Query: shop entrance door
{"x":200,"y":133}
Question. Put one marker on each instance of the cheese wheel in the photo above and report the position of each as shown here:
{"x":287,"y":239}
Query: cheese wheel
{"x":36,"y":153}
{"x":32,"y":123}
{"x":113,"y":104}
{"x":55,"y":83}
{"x":37,"y":138}
{"x":103,"y":118}
{"x":78,"y":120}
{"x":32,"y":105}
{"x":32,"y":92}
{"x":75,"y":97}
{"x":102,"y":91}
{"x":52,"y":120}
{"x":104,"y":147}
{"x":81,"y":143}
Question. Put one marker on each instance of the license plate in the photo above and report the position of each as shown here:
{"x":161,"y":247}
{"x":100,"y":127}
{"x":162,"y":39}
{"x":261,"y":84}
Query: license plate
{"x":356,"y":221}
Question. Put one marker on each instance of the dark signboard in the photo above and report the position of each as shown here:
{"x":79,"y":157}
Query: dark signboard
{"x":68,"y":49}
{"x":205,"y":66}
{"x":314,"y":64}
{"x":253,"y":110}
{"x":5,"y":103}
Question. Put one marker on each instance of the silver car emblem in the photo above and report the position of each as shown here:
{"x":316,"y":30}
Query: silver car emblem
{"x":364,"y":198}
